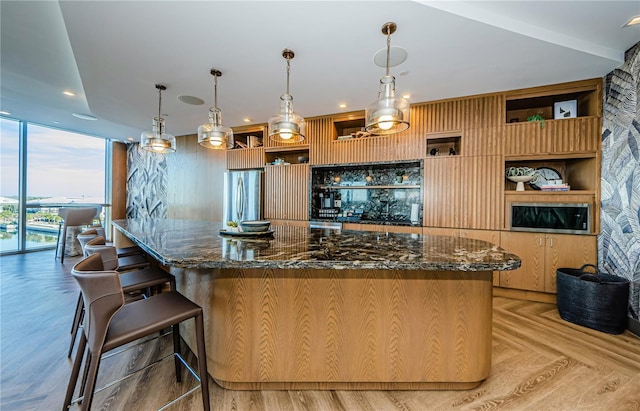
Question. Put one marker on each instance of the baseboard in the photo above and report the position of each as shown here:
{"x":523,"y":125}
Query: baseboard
{"x":634,"y":326}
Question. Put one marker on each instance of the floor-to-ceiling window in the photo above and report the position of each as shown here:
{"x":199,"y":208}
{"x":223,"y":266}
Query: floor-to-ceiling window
{"x":58,"y":168}
{"x":9,"y":184}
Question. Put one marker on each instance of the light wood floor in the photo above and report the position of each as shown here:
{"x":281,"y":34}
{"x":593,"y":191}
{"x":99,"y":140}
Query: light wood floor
{"x":539,"y":361}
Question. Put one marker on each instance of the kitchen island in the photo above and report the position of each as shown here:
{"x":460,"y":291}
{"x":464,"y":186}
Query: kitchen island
{"x":333,"y":309}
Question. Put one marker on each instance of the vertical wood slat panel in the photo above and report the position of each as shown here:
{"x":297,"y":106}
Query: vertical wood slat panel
{"x":320,"y":131}
{"x":557,"y":136}
{"x":288,"y":188}
{"x":441,"y":201}
{"x":244,"y":158}
{"x":481,"y":196}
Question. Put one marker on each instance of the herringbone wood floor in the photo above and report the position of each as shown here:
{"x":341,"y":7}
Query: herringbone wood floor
{"x":539,"y":361}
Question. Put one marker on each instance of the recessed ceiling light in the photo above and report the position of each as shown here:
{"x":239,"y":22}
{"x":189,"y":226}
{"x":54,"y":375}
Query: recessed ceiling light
{"x":403,"y":73}
{"x":342,"y":105}
{"x":634,"y":20}
{"x":247,"y":120}
{"x":195,"y":101}
{"x":68,"y":93}
{"x":129,"y":138}
{"x":56,"y":122}
{"x":406,"y":96}
{"x":5,"y":113}
{"x":84,"y":116}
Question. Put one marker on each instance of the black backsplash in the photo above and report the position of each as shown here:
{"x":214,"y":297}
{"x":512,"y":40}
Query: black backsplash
{"x":375,"y":193}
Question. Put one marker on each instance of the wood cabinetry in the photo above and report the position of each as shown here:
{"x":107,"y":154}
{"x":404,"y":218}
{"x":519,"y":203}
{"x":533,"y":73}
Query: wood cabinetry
{"x":461,"y":192}
{"x":542,"y":254}
{"x":465,"y":193}
{"x":287,"y":192}
{"x":442,"y":192}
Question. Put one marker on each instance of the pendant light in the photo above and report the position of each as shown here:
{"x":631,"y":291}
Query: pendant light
{"x":213,"y":134}
{"x":287,"y":126}
{"x":157,"y":140}
{"x":389,"y":114}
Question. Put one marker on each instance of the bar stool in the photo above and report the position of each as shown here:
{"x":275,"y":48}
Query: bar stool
{"x":111,"y":323}
{"x":136,"y":275}
{"x":73,"y":217}
{"x":86,"y":236}
{"x":110,"y":257}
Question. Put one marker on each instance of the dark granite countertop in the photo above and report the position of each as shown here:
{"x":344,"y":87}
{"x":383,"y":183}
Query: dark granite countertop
{"x":199,"y":244}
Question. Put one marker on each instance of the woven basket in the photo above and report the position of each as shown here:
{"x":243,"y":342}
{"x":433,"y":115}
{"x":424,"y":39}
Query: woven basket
{"x":595,"y":300}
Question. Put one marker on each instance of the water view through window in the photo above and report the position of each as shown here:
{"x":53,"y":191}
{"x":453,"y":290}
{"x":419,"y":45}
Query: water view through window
{"x":62,"y":168}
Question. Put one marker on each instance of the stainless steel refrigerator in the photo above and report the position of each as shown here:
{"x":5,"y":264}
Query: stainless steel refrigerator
{"x":242,"y":195}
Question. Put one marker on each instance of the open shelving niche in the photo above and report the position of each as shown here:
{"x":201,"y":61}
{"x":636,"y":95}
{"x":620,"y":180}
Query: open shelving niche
{"x":542,"y":101}
{"x":578,"y":170}
{"x":290,"y":154}
{"x":350,"y":127}
{"x":444,"y":144}
{"x":248,"y":137}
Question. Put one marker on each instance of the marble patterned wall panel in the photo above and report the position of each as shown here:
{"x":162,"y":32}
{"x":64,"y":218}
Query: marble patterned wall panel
{"x":146,"y":183}
{"x":619,"y":239}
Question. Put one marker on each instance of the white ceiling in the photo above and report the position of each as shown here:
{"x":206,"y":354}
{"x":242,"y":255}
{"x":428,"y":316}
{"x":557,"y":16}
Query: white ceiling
{"x":112,"y":53}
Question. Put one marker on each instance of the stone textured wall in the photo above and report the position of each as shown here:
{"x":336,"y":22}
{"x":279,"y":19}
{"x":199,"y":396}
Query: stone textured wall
{"x":619,"y":239}
{"x":146,"y":183}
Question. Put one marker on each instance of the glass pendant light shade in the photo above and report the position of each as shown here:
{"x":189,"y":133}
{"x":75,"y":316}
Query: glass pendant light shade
{"x":287,"y":126}
{"x":156,"y":140}
{"x":388,"y":114}
{"x":213,"y":134}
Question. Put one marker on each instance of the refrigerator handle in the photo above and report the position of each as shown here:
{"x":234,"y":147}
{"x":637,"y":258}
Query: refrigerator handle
{"x":240,"y":199}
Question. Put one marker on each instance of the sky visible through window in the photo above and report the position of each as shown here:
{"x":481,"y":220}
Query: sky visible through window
{"x":60,"y":164}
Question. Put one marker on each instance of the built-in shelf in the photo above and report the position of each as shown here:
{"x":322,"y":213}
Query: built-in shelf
{"x":546,"y":193}
{"x":560,"y":103}
{"x":395,"y":186}
{"x":443,"y":144}
{"x":349,"y":126}
{"x":298,"y":154}
{"x":248,"y":137}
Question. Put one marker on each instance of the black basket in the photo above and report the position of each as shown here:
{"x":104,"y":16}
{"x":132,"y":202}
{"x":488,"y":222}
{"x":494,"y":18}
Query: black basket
{"x":595,"y":300}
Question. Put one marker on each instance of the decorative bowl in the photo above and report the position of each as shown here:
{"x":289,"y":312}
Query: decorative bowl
{"x":520,"y":180}
{"x":255,"y":226}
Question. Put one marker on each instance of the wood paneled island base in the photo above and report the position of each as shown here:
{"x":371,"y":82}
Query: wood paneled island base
{"x":343,"y":329}
{"x":327,"y":309}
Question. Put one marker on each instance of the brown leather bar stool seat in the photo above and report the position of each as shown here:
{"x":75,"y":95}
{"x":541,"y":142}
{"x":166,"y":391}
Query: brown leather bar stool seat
{"x":111,"y":323}
{"x":110,"y":257}
{"x":137,"y":276}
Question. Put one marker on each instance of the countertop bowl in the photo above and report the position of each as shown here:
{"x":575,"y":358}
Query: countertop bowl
{"x":255,"y":226}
